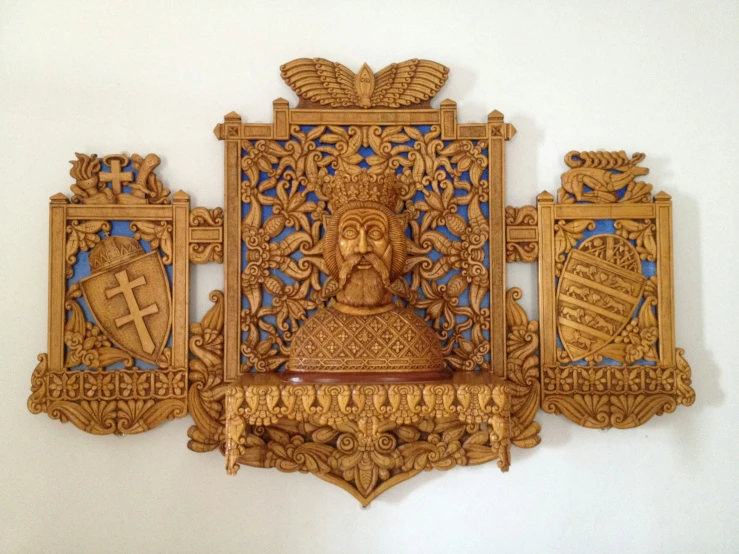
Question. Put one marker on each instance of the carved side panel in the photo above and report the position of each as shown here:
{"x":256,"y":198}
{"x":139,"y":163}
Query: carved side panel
{"x":606,"y":296}
{"x":118,"y":300}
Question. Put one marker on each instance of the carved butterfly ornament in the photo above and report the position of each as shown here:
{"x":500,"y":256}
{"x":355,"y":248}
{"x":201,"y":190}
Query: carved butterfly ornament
{"x":333,"y":84}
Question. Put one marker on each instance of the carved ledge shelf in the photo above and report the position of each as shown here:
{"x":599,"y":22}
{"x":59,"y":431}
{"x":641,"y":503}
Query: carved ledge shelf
{"x":367,"y":437}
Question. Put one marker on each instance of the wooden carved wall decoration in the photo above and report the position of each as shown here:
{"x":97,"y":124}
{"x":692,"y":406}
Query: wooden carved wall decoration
{"x":123,"y":355}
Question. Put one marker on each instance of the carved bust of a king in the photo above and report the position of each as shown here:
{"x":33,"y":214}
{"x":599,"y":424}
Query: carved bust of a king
{"x":363,"y":333}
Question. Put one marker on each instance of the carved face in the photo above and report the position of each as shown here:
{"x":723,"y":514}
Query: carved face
{"x":363,"y":232}
{"x":365,"y":256}
{"x":364,"y":250}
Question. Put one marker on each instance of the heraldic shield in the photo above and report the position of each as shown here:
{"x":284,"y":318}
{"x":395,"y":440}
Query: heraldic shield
{"x":600,"y":287}
{"x":128,"y":295}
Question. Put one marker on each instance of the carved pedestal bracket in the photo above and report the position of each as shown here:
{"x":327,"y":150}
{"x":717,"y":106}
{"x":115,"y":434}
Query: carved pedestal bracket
{"x":367,"y":438}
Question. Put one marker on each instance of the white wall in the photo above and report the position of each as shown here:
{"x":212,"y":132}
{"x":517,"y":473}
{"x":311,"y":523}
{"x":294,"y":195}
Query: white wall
{"x":659,"y":78}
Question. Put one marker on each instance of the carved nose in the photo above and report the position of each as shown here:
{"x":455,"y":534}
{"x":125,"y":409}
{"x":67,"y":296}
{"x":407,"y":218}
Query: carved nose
{"x":362,"y":246}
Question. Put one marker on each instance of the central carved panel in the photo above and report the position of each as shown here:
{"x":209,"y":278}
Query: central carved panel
{"x":442,"y":191}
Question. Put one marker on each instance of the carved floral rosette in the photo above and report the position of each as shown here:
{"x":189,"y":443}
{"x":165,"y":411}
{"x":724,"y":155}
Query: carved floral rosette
{"x":606,"y":296}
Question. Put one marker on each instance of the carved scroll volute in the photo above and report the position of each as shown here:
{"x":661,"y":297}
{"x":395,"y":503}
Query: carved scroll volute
{"x":606,"y":296}
{"x":206,"y":235}
{"x":522,"y":234}
{"x":118,"y":299}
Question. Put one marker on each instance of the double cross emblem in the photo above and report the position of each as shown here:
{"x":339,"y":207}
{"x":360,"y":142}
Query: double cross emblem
{"x":136,"y":314}
{"x":131,"y":302}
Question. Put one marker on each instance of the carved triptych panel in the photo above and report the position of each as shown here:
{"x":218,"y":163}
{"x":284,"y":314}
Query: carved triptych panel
{"x":606,"y":296}
{"x":123,"y":357}
{"x":117,"y":357}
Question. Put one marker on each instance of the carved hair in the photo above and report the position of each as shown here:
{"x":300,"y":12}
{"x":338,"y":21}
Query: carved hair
{"x":396,"y":234}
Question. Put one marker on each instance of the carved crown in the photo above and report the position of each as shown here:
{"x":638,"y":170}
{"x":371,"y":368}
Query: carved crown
{"x":113,"y":252}
{"x":343,"y":188}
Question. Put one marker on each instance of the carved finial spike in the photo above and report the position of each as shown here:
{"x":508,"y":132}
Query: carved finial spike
{"x":180,"y":196}
{"x":662,"y":196}
{"x":448,"y":103}
{"x":545,"y":197}
{"x":217,"y":131}
{"x":59,"y":198}
{"x":232,"y":116}
{"x":495,"y":116}
{"x":280,"y":102}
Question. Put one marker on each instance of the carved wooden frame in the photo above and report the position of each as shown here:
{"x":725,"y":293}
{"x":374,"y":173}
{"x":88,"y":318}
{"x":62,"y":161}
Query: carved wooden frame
{"x":513,"y":339}
{"x":366,"y":438}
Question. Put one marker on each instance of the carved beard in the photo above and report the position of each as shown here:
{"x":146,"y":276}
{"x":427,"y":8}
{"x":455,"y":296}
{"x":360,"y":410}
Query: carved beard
{"x":364,"y":287}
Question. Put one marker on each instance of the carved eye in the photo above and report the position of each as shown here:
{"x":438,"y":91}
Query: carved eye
{"x":375,"y":234}
{"x":349,"y":233}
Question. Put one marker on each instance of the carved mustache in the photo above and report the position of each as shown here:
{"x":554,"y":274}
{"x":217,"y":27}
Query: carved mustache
{"x":351,"y":262}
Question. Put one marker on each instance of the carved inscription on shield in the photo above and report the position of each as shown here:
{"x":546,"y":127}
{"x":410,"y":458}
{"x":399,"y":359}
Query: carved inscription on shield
{"x":599,"y":288}
{"x":128,"y":295}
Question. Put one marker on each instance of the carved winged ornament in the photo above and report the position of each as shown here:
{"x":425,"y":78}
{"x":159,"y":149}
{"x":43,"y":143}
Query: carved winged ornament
{"x":333,"y":85}
{"x":364,"y":332}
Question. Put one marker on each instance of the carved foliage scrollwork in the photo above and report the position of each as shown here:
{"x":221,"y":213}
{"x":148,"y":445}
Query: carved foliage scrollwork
{"x":566,"y":235}
{"x":444,"y":191}
{"x":207,"y":388}
{"x":522,"y":361}
{"x":82,"y":235}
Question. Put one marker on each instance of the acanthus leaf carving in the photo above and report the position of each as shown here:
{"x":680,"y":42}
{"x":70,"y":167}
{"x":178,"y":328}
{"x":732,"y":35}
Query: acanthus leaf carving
{"x":207,"y":388}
